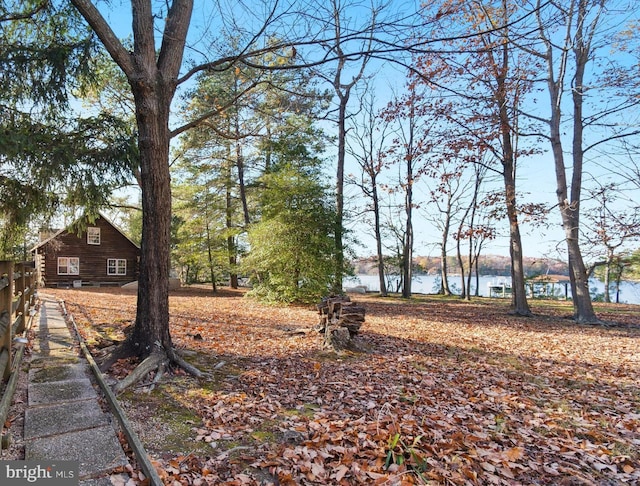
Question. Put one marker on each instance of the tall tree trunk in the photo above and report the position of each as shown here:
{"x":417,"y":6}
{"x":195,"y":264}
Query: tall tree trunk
{"x":231,"y":243}
{"x":378,"y":234}
{"x":343,"y":92}
{"x":607,"y":275}
{"x":407,"y":256}
{"x":470,"y":254}
{"x":583,"y":307}
{"x":339,"y":223}
{"x":152,"y":315}
{"x":212,"y":272}
{"x":444,"y":269}
{"x":519,"y":303}
{"x":241,"y":184}
{"x":473,"y":245}
{"x":152,"y":75}
{"x":463,"y":284}
{"x":407,"y":251}
{"x":569,"y":204}
{"x":476,"y":264}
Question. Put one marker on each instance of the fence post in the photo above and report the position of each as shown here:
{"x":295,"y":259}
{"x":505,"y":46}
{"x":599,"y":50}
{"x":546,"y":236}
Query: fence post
{"x":6,"y":317}
{"x":19,"y":292}
{"x":30,"y":284}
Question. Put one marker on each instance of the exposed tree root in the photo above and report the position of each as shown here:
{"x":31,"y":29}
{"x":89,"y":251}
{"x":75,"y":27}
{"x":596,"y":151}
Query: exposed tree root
{"x":593,"y":322}
{"x":151,"y":363}
{"x":158,"y":361}
{"x":178,"y":360}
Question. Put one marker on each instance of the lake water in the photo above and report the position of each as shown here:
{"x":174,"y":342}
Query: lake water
{"x":430,"y":284}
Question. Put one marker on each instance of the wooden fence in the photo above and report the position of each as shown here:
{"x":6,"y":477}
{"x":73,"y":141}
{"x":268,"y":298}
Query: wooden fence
{"x":17,"y":293}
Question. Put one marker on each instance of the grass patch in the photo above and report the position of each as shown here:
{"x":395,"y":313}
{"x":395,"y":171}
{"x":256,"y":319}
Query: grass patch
{"x":163,"y":423}
{"x":307,"y":410}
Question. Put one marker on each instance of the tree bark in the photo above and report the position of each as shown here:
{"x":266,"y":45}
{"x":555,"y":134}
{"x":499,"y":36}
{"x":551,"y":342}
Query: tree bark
{"x":232,"y":250}
{"x":519,"y":303}
{"x":378,"y":235}
{"x":607,"y":275}
{"x":152,"y":114}
{"x":210,"y":261}
{"x":582,"y":298}
{"x":463,"y":278}
{"x":152,"y":75}
{"x":407,"y":251}
{"x":444,"y":269}
{"x":339,"y":223}
{"x":569,"y":204}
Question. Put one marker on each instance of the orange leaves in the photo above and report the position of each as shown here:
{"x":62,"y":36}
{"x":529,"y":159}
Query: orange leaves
{"x":514,"y":454}
{"x":473,"y":394}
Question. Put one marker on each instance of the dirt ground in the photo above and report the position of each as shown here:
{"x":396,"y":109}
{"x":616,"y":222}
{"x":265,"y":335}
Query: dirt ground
{"x":440,"y":391}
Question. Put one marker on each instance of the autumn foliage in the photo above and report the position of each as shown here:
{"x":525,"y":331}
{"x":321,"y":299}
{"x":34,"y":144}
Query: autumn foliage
{"x":442,"y":392}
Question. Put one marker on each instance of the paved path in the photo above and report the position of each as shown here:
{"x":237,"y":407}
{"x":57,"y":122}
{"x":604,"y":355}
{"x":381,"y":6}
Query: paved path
{"x":63,"y":420}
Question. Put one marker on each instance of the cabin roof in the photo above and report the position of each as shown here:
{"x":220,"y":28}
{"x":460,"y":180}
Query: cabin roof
{"x":61,"y":231}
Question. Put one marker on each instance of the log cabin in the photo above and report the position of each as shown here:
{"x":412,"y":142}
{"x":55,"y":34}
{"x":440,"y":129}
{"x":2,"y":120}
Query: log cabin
{"x":98,"y":255}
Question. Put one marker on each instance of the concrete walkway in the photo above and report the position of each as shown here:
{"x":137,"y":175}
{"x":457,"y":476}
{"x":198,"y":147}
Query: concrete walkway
{"x":63,"y":420}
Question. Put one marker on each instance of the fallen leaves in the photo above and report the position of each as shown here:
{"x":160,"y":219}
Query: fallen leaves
{"x":445,"y":393}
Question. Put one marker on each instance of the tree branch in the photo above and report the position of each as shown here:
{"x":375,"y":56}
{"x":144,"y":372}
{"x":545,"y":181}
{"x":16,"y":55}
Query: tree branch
{"x":112,"y":44}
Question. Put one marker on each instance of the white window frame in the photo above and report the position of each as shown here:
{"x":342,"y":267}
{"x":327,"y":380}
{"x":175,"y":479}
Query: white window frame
{"x":118,"y":267}
{"x":71,"y":264}
{"x":93,"y":235}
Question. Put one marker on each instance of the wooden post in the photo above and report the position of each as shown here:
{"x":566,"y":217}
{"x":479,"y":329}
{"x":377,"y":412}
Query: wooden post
{"x":20,"y":292}
{"x":32,"y":284}
{"x":6,"y":314}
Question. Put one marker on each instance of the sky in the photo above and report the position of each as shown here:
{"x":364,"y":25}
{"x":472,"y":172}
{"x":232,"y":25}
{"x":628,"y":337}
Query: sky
{"x":536,"y":173}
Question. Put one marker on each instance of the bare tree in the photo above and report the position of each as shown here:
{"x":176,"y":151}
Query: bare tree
{"x":411,"y":153}
{"x":445,"y":195}
{"x":468,"y":232}
{"x":367,"y":146}
{"x":343,"y":77}
{"x":570,"y":37}
{"x":486,"y":82}
{"x":612,"y":227}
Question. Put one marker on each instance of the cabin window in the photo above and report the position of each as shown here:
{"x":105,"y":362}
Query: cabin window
{"x":68,"y":266}
{"x":116,"y":266}
{"x":93,"y":236}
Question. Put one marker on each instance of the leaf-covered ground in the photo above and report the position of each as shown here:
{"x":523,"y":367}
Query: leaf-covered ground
{"x":442,"y":392}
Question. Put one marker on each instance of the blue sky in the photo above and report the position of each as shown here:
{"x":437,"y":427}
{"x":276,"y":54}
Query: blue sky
{"x":536,"y":175}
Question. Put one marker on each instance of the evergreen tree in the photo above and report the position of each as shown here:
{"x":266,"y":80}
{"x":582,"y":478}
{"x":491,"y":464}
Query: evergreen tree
{"x":49,"y":157}
{"x":262,"y":121}
{"x":291,"y":248}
